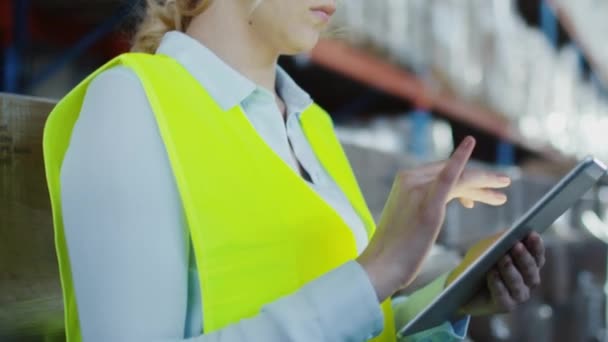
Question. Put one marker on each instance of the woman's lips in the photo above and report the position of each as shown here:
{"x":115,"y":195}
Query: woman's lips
{"x":324,"y":12}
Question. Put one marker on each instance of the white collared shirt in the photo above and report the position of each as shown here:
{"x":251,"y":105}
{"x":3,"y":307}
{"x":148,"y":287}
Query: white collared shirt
{"x":135,"y":277}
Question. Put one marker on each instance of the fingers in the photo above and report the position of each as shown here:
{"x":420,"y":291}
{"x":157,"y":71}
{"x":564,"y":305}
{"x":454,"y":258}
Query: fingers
{"x":485,"y":179}
{"x":452,"y":171}
{"x":526,"y":265}
{"x":499,"y":292}
{"x":477,"y":185}
{"x":470,"y":176}
{"x":486,"y":196}
{"x":467,"y":203}
{"x":513,"y":280}
{"x":517,"y":273}
{"x":534,"y":244}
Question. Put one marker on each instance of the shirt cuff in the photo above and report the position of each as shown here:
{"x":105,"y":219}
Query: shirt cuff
{"x":346,"y":303}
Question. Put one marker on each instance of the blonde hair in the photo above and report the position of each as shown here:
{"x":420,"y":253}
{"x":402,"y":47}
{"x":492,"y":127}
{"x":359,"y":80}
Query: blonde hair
{"x":162,"y":16}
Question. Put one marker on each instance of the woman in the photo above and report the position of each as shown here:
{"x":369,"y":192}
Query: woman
{"x":199,"y":194}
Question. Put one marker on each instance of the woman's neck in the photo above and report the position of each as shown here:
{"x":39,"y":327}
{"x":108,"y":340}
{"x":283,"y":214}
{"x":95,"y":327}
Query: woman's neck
{"x":226,"y":29}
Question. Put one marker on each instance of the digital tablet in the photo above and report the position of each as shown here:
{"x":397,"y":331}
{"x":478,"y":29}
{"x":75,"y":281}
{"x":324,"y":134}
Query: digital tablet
{"x":538,"y":218}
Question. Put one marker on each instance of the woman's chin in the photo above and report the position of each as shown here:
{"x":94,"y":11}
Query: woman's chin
{"x":304,"y":43}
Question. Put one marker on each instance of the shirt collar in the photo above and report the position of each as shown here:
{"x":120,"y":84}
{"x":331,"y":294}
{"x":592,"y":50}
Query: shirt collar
{"x":295,"y":98}
{"x":226,"y":86}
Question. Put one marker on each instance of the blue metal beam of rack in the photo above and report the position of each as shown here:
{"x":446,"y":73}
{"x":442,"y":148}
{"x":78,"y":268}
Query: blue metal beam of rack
{"x":83,"y":44}
{"x":12,"y":54}
{"x":549,"y":24}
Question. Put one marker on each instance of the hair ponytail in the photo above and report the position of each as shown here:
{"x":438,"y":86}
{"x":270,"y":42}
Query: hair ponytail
{"x":162,"y":16}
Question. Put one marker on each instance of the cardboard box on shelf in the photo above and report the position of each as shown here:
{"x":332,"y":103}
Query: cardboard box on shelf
{"x":30,"y":290}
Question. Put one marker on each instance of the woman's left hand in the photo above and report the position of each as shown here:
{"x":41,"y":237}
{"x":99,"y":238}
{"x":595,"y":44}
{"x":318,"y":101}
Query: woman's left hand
{"x":511,"y":281}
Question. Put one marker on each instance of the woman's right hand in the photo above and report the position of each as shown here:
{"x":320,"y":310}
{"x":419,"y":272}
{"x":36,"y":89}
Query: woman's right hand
{"x":413,"y":216}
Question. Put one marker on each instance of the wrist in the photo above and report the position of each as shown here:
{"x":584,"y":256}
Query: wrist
{"x":385,"y":281}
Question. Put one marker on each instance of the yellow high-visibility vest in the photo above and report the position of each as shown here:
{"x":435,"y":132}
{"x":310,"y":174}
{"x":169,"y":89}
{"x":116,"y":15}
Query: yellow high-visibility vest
{"x":259,"y":231}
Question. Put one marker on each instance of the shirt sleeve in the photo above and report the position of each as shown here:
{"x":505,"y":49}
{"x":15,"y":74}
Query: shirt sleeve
{"x":406,"y":308}
{"x":339,"y":306}
{"x":128,"y":245}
